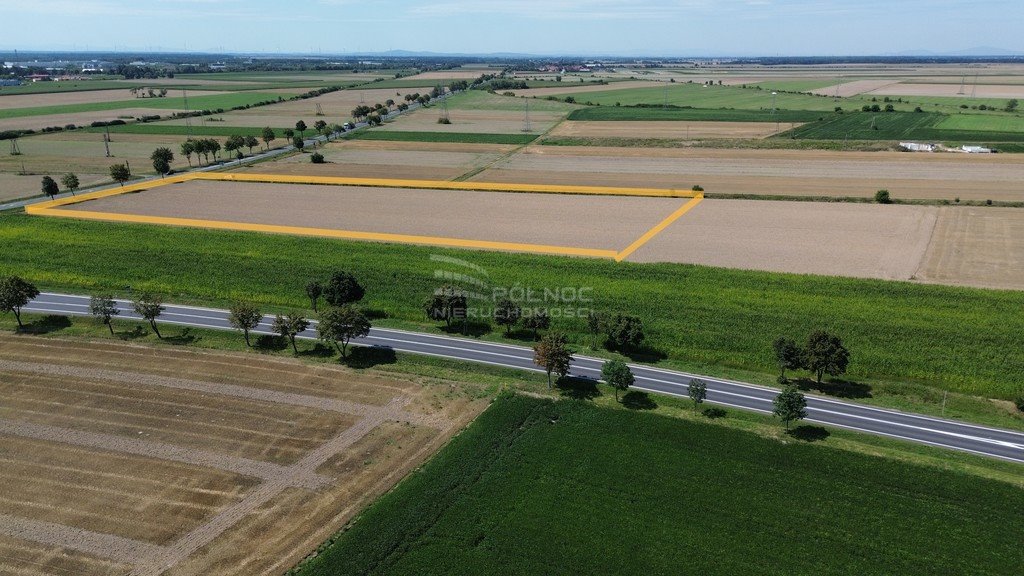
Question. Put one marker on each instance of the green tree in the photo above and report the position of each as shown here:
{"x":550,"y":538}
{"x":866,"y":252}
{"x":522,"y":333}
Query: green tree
{"x":289,"y":327}
{"x":597,"y":326}
{"x":343,"y":288}
{"x":16,"y":293}
{"x":50,"y":187}
{"x":698,"y":391}
{"x":446,"y":304}
{"x":788,"y":356}
{"x":288,"y":133}
{"x":1011,"y":105}
{"x":251,"y":142}
{"x":626,"y":332}
{"x":298,"y":142}
{"x":538,"y":320}
{"x":321,"y":127}
{"x":339,"y":326}
{"x":314,"y":290}
{"x":150,"y":307}
{"x":553,"y":355}
{"x":104,"y":308}
{"x":245,"y":317}
{"x":188,"y":148}
{"x":234,"y":143}
{"x":119,"y":173}
{"x":883,"y":197}
{"x":617,"y":375}
{"x":825,"y":354}
{"x":507,"y":313}
{"x":268,"y":136}
{"x":70,"y":182}
{"x":162,"y":158}
{"x":790,"y":405}
{"x":301,"y":128}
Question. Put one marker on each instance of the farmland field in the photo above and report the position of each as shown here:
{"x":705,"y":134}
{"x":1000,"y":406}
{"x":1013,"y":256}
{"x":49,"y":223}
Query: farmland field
{"x":222,"y":454}
{"x":913,"y":126}
{"x":663,"y":129}
{"x":214,"y":101}
{"x":457,"y":137}
{"x":699,"y":96}
{"x":934,"y":335}
{"x":652,"y":114}
{"x":535,"y":487}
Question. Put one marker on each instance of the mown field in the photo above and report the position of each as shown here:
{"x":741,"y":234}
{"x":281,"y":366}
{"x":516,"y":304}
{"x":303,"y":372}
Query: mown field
{"x":960,"y":339}
{"x":699,"y":96}
{"x":195,"y":102}
{"x":177,"y":130}
{"x":654,"y":114}
{"x":541,"y":487}
{"x":928,"y":126}
{"x":454,"y":137}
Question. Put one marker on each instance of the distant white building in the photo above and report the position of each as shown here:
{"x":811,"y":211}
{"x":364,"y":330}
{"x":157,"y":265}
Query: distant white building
{"x":976,"y":150}
{"x":916,"y":147}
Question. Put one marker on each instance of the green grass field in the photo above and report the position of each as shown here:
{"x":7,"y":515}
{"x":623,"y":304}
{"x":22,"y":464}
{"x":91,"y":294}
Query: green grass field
{"x":540,"y":487}
{"x":983,"y":122}
{"x":460,"y":137}
{"x":698,"y":96}
{"x":195,"y":102}
{"x":480,"y":100}
{"x":630,"y":113}
{"x":899,"y":125}
{"x":799,"y":85}
{"x":960,"y":339}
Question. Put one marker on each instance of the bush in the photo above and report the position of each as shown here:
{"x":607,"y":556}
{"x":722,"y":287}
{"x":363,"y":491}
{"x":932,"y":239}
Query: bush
{"x":882,"y":197}
{"x":317,"y":158}
{"x":697,"y":188}
{"x":1019,"y":402}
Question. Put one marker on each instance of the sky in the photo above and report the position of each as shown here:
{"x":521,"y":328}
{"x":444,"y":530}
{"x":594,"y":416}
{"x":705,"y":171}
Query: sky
{"x":543,"y":27}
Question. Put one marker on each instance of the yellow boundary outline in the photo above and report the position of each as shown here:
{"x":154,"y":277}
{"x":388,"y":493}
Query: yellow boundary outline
{"x":52,"y":208}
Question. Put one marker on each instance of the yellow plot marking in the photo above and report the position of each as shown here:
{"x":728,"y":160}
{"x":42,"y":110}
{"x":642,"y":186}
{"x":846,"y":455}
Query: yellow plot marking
{"x":657,"y":229}
{"x":51,"y":208}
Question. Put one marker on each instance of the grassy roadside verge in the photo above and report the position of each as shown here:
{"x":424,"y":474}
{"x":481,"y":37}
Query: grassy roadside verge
{"x":534,"y":487}
{"x":909,"y":342}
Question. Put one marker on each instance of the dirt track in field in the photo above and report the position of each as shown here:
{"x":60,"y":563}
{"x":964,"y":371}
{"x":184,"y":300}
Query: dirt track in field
{"x":606,"y":222}
{"x":977,"y":246}
{"x":125,"y":459}
{"x":771,"y":172}
{"x":673,"y":130}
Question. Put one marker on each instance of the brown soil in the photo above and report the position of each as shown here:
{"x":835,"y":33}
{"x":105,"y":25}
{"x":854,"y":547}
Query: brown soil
{"x":951,"y":90}
{"x":847,"y":89}
{"x":89,"y":97}
{"x":123,"y":458}
{"x":977,"y":247}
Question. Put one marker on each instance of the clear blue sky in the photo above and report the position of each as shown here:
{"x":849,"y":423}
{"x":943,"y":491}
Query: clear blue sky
{"x":670,"y":27}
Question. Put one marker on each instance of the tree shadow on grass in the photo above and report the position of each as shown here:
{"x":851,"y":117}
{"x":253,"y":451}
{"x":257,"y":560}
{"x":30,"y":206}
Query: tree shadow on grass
{"x":836,"y":388}
{"x":471,"y":329}
{"x":637,"y":400}
{"x":134,"y":334}
{"x":46,"y":325}
{"x":578,"y":388}
{"x":318,"y":351}
{"x":645,"y":354}
{"x":363,"y":357}
{"x":185,"y":337}
{"x":809,"y":433}
{"x":374,"y":314}
{"x":713,"y":413}
{"x":270,"y":343}
{"x":522,"y":335}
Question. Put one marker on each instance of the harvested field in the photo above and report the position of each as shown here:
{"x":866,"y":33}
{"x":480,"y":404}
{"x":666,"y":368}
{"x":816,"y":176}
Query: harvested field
{"x":951,"y":90}
{"x":335,"y":104}
{"x":473,"y":121}
{"x":577,"y":88}
{"x":59,"y":99}
{"x":76,"y":118}
{"x":126,"y":458}
{"x":847,"y":89}
{"x":448,"y":75}
{"x":602,"y":222}
{"x":13,"y":186}
{"x":770,"y":172}
{"x":977,"y":247}
{"x":671,"y":129}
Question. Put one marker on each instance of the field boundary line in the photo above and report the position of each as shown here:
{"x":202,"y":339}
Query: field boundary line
{"x":650,"y":234}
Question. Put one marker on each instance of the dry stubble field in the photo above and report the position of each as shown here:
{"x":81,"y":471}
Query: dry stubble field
{"x":124,"y":459}
{"x":671,"y":130}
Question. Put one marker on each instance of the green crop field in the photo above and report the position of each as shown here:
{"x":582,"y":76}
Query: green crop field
{"x":800,"y":85}
{"x":195,"y":102}
{"x":70,"y":86}
{"x":983,"y":122}
{"x":698,"y":96}
{"x":460,"y":137}
{"x":632,"y":113}
{"x":896,"y":126}
{"x":541,"y":487}
{"x":961,"y":339}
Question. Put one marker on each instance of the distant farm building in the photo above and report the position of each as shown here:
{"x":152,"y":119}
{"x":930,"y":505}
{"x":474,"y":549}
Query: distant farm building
{"x":916,"y":147}
{"x":976,"y":150}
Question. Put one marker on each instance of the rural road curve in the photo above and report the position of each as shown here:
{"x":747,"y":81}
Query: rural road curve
{"x":992,"y":442}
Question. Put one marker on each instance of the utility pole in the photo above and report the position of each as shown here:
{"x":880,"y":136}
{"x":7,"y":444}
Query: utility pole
{"x":526,"y":119}
{"x":106,"y":141}
{"x":188,"y":115}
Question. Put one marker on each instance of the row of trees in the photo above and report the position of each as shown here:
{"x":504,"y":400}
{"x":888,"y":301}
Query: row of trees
{"x":824,"y":353}
{"x":69,"y":180}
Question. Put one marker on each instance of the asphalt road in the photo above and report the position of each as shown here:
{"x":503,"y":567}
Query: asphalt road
{"x":992,"y":442}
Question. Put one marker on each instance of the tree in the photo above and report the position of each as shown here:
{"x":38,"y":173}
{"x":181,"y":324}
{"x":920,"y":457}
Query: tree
{"x":788,"y":356}
{"x":553,"y":355}
{"x":883,"y":197}
{"x":289,"y":327}
{"x":298,"y":142}
{"x":150,"y":307}
{"x":50,"y":187}
{"x":162,"y":158}
{"x":321,"y":127}
{"x":343,"y":288}
{"x":539,"y":320}
{"x":626,"y":332}
{"x":790,"y":405}
{"x":213,"y":147}
{"x":70,"y":181}
{"x":16,"y":293}
{"x":188,"y":148}
{"x":234,"y":143}
{"x":596,"y":325}
{"x":314,"y":289}
{"x":120,"y":173}
{"x":1011,"y":105}
{"x":340,"y":325}
{"x":447,"y":304}
{"x":698,"y":391}
{"x":288,"y":133}
{"x":251,"y":142}
{"x":104,"y":308}
{"x":507,"y":313}
{"x":301,"y":128}
{"x":825,"y":354}
{"x":268,"y":136}
{"x":617,"y":375}
{"x":245,"y":317}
